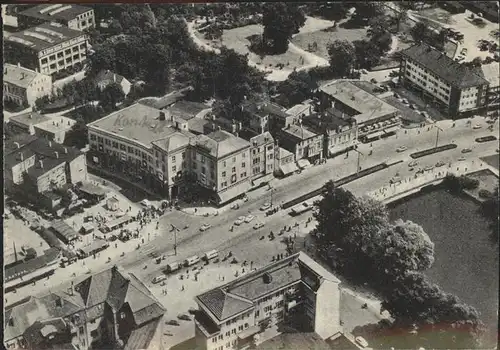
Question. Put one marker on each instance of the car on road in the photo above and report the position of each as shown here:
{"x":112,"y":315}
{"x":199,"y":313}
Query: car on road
{"x":249,"y":218}
{"x":184,"y":317}
{"x":466,"y":150}
{"x":461,"y":158}
{"x":477,"y":126}
{"x":265,"y":206}
{"x":401,"y":149}
{"x":240,"y":220}
{"x":173,"y":323}
{"x":413,"y":163}
{"x":429,"y":167}
{"x":439,"y":164}
{"x":205,"y":227}
{"x":258,"y":225}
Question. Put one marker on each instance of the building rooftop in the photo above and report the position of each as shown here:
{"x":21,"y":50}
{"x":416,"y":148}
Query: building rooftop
{"x":239,"y":295}
{"x":107,"y":77}
{"x":295,"y":341}
{"x":49,"y":12}
{"x":220,"y":143}
{"x":28,"y":119}
{"x":18,"y":76}
{"x":491,"y":73}
{"x":175,"y":140}
{"x":443,"y":66}
{"x":298,"y":132}
{"x":137,"y":122}
{"x":44,"y":36}
{"x":54,"y":125}
{"x":262,"y":139}
{"x":367,"y":105}
{"x":186,"y":109}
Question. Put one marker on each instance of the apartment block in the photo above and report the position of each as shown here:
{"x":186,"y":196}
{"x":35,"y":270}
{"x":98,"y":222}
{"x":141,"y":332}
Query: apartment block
{"x":73,"y":16}
{"x":457,"y":90}
{"x":39,"y":165}
{"x":48,"y":48}
{"x":24,"y":86}
{"x":295,"y":290}
{"x":374,"y":117}
{"x":107,"y":309}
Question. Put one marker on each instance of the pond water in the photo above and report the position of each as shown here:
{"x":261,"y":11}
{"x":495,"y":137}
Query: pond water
{"x":466,"y":261}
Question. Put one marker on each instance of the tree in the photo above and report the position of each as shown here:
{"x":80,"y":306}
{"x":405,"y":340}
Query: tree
{"x":439,"y":319}
{"x":111,"y":96}
{"x":401,"y":248}
{"x":281,"y":21}
{"x":342,"y":57}
{"x":419,"y":32}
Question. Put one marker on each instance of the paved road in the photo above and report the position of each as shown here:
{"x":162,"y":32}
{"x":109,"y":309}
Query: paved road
{"x":192,"y":241}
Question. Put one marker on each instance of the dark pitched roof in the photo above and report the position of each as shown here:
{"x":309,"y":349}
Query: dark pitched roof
{"x":443,"y":66}
{"x":222,"y":304}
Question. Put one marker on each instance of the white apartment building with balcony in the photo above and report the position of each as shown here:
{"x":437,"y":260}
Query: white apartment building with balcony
{"x":294,"y":290}
{"x":457,"y":89}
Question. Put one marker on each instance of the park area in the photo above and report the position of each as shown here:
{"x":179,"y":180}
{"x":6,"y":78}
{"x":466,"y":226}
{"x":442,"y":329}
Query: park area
{"x":466,"y":260}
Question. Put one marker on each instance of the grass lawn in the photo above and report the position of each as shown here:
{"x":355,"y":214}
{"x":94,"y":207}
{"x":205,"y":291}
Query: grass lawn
{"x":324,"y":38}
{"x":466,"y":261}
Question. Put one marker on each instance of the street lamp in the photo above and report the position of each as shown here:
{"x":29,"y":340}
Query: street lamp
{"x":359,"y":153}
{"x":437,"y":134}
{"x":175,"y":229}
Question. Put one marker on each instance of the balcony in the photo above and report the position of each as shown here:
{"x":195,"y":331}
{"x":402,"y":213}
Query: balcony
{"x":206,"y":325}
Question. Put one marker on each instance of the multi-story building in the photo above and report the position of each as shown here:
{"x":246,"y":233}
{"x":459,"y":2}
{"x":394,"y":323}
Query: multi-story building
{"x":306,"y":145}
{"x":69,"y":15}
{"x":284,"y":162}
{"x":295,"y":290}
{"x":457,"y":89}
{"x":155,"y":148}
{"x":491,"y":73}
{"x":262,"y":155}
{"x":340,"y":131}
{"x":48,"y":47}
{"x":220,"y":162}
{"x":110,"y":308}
{"x":39,"y":165}
{"x":24,"y":86}
{"x":106,"y":77}
{"x":54,"y":129}
{"x":25,"y":123}
{"x":374,"y":117}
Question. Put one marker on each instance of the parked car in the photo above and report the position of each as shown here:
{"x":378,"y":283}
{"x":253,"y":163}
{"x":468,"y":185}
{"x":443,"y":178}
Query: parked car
{"x":401,"y":149}
{"x":184,"y":317}
{"x":205,"y":227}
{"x":265,"y":206}
{"x":466,"y":150}
{"x":258,"y":225}
{"x":249,"y":218}
{"x":239,"y":221}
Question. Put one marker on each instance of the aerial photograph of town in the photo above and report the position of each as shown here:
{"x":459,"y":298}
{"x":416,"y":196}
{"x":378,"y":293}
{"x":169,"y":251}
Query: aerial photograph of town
{"x":270,"y":176}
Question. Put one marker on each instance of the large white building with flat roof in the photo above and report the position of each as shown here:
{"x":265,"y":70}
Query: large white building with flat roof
{"x":48,"y":48}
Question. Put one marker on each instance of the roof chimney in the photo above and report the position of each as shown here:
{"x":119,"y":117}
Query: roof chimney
{"x":57,"y":155}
